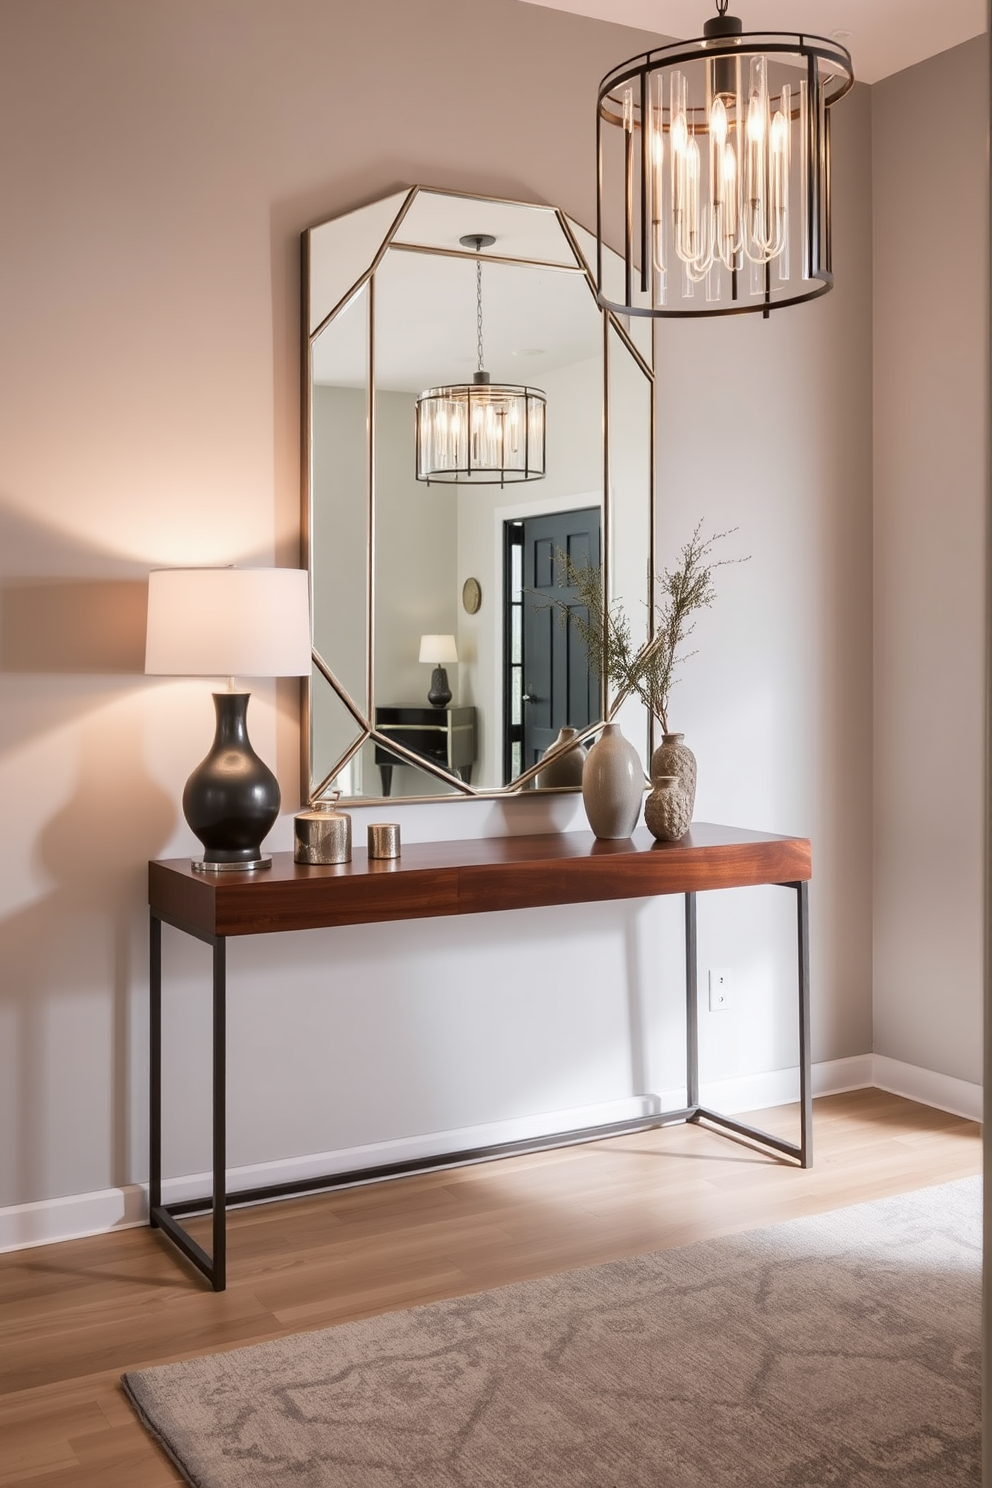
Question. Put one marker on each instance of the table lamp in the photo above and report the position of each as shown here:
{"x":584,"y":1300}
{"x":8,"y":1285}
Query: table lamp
{"x":233,"y":622}
{"x":438,"y":651}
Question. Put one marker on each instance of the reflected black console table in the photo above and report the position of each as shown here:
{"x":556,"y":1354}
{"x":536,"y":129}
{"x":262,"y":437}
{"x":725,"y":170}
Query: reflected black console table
{"x":445,"y":736}
{"x":455,"y":878}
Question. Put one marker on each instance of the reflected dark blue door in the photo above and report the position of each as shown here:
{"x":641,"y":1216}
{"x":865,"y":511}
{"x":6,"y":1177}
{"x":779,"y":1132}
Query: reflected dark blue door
{"x":548,"y":682}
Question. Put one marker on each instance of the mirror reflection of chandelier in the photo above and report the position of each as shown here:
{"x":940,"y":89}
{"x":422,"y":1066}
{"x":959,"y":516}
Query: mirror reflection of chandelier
{"x":480,"y":433}
{"x":715,"y":173}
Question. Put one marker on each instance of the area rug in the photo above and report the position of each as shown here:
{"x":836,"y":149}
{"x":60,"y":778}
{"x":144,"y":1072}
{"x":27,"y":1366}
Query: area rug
{"x":841,"y":1351}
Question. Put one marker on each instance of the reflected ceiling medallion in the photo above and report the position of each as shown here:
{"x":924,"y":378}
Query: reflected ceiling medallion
{"x":480,"y":433}
{"x":714,"y":172}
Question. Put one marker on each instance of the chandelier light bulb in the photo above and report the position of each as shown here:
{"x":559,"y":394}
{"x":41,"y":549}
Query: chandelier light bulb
{"x":718,"y":122}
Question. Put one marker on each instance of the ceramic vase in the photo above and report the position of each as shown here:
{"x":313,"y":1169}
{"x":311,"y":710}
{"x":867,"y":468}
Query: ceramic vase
{"x":564,"y":769}
{"x":674,"y":757}
{"x":231,"y":800}
{"x":666,"y":810}
{"x":612,"y":784}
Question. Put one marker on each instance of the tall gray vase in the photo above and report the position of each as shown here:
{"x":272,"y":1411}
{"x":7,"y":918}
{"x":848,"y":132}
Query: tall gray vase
{"x":674,"y":757}
{"x":612,"y":784}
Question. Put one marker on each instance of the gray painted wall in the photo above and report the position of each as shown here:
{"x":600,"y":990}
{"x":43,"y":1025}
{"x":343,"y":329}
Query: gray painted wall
{"x":930,"y":541}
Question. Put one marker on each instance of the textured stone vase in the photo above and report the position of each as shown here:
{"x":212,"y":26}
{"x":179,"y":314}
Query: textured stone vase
{"x":674,"y":757}
{"x":612,"y":784}
{"x":666,"y":810}
{"x":565,"y":769}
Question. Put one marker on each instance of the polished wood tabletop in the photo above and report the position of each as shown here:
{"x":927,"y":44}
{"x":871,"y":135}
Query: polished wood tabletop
{"x":472,"y":876}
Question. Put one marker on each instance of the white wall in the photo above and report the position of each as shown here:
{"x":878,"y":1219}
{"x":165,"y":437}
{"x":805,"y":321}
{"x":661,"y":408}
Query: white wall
{"x":160,"y":163}
{"x":930,"y":545}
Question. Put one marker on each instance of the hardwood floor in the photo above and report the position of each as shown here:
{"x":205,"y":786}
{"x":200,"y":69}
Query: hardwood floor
{"x":74,"y":1316}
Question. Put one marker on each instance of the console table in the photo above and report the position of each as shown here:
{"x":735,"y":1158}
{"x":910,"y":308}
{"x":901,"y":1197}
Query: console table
{"x":454,"y":878}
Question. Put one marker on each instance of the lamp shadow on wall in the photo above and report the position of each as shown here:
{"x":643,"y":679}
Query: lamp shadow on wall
{"x":94,"y":627}
{"x":81,"y":937}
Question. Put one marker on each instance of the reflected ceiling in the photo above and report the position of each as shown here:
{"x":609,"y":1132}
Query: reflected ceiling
{"x":429,"y":306}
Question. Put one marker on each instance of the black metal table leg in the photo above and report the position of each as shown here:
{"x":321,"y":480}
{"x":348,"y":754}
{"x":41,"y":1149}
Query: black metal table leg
{"x":219,"y":1278}
{"x":805,"y":1052}
{"x":691,"y":1005}
{"x":155,"y":1066}
{"x":804,"y":1150}
{"x":165,"y":1216}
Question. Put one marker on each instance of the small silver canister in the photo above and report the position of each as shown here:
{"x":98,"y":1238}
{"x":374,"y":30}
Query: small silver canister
{"x":323,"y":834}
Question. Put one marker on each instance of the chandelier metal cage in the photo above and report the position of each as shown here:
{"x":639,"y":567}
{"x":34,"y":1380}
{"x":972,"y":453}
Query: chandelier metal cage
{"x":481,"y":433}
{"x":714,"y":172}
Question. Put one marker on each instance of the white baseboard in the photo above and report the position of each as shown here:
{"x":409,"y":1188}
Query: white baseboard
{"x":960,"y":1097}
{"x":778,"y":1087}
{"x":72,"y":1217}
{"x":76,"y":1215}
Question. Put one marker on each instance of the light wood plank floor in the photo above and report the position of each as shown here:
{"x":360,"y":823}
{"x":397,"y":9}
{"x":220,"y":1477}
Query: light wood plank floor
{"x":74,"y":1316}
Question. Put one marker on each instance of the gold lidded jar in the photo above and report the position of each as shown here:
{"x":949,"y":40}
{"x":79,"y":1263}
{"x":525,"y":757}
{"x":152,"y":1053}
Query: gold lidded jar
{"x":323,"y":834}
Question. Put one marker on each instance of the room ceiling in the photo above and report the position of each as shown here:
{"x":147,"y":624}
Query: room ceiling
{"x":883,"y":36}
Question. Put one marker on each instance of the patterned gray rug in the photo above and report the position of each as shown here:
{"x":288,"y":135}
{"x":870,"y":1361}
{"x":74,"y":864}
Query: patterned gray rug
{"x":842,"y":1350}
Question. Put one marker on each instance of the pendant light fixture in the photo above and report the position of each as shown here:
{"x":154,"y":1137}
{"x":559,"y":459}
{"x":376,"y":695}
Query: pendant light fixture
{"x":714,"y":172}
{"x":480,"y":433}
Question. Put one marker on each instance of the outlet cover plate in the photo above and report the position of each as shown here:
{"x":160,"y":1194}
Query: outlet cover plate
{"x":719,"y":989}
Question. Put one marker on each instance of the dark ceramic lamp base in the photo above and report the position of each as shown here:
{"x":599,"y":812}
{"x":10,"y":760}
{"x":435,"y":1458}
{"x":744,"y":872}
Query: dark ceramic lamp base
{"x":231,"y":800}
{"x":440,"y":693}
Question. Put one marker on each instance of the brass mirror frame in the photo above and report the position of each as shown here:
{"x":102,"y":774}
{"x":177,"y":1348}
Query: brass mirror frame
{"x":318,"y":786}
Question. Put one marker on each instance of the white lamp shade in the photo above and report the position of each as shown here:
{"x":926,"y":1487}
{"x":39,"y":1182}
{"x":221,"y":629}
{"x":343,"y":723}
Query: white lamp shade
{"x":228,"y":622}
{"x":438,"y":650}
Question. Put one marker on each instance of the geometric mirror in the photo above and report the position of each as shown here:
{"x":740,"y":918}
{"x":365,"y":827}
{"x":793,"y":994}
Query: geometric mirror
{"x":412,"y":574}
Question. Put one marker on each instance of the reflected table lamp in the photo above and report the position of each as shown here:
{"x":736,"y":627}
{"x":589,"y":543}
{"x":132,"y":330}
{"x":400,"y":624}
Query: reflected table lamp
{"x":229,"y":622}
{"x":438,"y":651}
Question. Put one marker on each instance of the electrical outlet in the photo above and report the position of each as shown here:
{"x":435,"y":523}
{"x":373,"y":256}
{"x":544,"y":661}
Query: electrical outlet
{"x":719,"y":989}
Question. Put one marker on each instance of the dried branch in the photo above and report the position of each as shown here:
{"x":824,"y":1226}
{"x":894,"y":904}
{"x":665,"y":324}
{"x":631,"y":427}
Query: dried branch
{"x":648,"y":672}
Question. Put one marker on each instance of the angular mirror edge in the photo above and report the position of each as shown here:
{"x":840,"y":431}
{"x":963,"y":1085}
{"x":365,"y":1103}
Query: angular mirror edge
{"x":318,"y":788}
{"x":358,"y":707}
{"x":441,"y":236}
{"x":352,"y":732}
{"x":621,"y":352}
{"x":388,"y":212}
{"x":641,"y":328}
{"x":421,"y":762}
